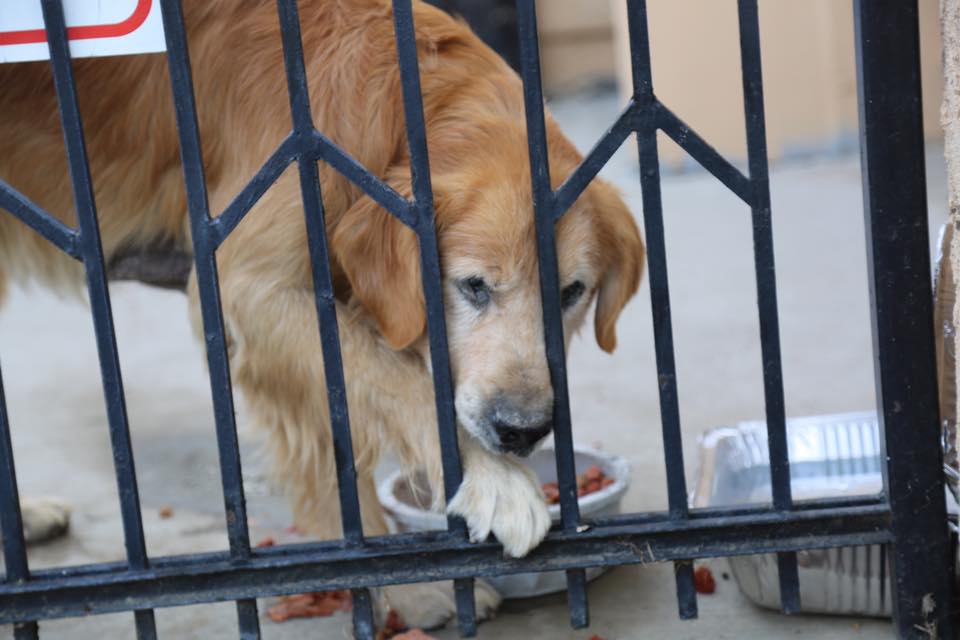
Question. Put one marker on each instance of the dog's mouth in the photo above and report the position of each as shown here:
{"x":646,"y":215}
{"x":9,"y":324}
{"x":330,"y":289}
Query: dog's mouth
{"x":522,"y":452}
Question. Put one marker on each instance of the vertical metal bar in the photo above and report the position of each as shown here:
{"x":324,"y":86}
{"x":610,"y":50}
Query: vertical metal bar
{"x":763,"y":250}
{"x":686,"y":590}
{"x":577,"y":601}
{"x":11,"y":520}
{"x":883,"y":573}
{"x":320,"y":263}
{"x":895,"y":208}
{"x":25,"y":631}
{"x":767,"y":287}
{"x":92,"y":253}
{"x":429,"y":253}
{"x":466,"y":607}
{"x":248,"y":620}
{"x":204,"y":246}
{"x":432,"y":286}
{"x":363,"y":626}
{"x":662,"y":322}
{"x":324,"y":299}
{"x":660,"y":291}
{"x":178,"y":60}
{"x":145,"y":624}
{"x":544,"y":204}
{"x":789,"y":579}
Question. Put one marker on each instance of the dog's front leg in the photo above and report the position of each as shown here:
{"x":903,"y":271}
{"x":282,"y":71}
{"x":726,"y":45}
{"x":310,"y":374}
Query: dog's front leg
{"x":500,"y":495}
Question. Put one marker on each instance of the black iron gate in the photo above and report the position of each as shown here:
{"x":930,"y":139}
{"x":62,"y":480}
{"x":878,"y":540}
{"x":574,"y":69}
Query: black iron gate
{"x":905,"y":516}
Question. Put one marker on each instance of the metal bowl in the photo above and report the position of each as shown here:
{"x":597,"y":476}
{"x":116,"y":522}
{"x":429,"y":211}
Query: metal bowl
{"x":406,"y":501}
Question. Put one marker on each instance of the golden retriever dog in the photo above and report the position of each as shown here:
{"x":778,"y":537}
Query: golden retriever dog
{"x":476,"y":131}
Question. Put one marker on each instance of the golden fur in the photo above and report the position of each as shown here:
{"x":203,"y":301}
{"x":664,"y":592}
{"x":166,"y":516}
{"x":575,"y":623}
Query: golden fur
{"x":476,"y":137}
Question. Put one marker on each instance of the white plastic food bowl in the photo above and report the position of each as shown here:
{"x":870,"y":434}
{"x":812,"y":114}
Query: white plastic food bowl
{"x":408,"y":508}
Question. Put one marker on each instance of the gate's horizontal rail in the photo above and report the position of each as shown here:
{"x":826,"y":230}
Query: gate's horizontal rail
{"x":183,"y":580}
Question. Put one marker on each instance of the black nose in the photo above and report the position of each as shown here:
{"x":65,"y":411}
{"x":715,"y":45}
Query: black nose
{"x":520,"y":441}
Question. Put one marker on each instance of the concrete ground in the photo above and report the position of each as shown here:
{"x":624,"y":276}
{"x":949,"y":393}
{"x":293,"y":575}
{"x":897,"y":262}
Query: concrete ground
{"x":62,"y":447}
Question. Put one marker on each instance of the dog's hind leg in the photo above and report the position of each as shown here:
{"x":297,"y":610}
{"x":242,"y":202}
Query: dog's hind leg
{"x":426,"y":605}
{"x":44,"y":518}
{"x":432,"y":604}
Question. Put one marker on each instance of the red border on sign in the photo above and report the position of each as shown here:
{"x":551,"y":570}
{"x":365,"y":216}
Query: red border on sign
{"x":84,"y":32}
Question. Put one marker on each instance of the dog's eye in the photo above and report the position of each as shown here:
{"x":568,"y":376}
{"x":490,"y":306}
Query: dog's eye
{"x":476,"y":291}
{"x":571,"y":293}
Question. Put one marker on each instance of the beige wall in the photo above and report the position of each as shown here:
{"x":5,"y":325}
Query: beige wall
{"x":576,"y":43}
{"x":808,"y":66}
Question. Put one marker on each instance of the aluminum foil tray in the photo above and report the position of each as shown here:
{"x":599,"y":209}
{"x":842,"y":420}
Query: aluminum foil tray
{"x":830,"y":456}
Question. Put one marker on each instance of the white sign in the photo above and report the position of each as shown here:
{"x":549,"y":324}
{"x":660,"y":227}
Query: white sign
{"x":94,"y":28}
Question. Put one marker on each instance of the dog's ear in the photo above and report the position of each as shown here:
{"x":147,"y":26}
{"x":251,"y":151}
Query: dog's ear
{"x":622,"y":256}
{"x":381,"y":259}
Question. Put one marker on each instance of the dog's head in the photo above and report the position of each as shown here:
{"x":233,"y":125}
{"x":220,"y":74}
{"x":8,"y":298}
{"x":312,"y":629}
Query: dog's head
{"x":485,"y":223}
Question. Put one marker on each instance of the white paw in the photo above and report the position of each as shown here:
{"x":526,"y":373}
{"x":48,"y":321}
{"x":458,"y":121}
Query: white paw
{"x":44,"y":518}
{"x":432,"y":604}
{"x":502,"y":497}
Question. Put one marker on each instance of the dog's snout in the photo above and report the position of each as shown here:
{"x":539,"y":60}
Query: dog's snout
{"x":520,"y":420}
{"x":521,"y":440}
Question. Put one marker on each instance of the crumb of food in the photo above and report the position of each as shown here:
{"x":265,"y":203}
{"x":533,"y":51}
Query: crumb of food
{"x":395,"y":623}
{"x":551,"y":492}
{"x":166,"y":511}
{"x":593,"y":479}
{"x":395,"y":629}
{"x":413,"y":634}
{"x":310,"y":605}
{"x":725,"y":575}
{"x":393,"y":626}
{"x":267,"y":542}
{"x":703,"y":580}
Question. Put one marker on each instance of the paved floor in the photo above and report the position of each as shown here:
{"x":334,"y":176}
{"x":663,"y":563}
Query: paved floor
{"x":62,"y":447}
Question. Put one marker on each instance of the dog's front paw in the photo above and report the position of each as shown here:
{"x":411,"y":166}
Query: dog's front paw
{"x":502,"y":497}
